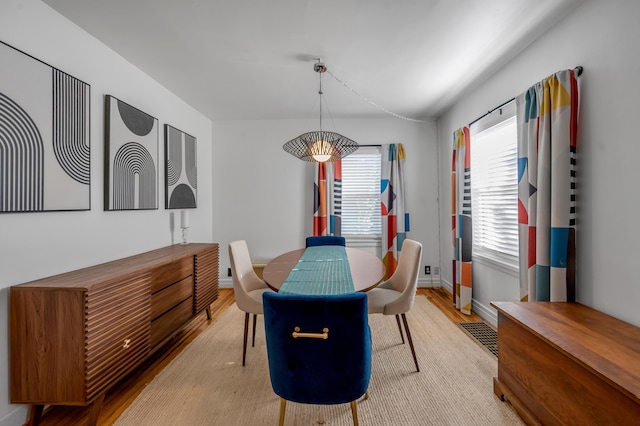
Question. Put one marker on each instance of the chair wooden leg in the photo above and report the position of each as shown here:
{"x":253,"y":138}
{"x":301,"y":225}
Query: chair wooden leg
{"x":400,"y":328}
{"x":283,"y":406}
{"x":253,"y":340}
{"x":246,"y":333}
{"x":413,"y":351}
{"x":354,"y":413}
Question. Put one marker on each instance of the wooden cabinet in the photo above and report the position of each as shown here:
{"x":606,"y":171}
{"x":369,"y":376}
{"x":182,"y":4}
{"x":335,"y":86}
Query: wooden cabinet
{"x":74,"y":335}
{"x":567,"y":364}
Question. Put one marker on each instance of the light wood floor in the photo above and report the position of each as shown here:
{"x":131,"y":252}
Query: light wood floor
{"x":123,"y":394}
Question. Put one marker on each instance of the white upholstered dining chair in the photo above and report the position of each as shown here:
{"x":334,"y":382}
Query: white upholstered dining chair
{"x":396,"y":295}
{"x":247,"y":288}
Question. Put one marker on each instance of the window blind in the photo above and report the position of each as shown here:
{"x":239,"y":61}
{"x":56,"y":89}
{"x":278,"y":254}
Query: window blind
{"x":361,"y":193}
{"x":494,"y":189}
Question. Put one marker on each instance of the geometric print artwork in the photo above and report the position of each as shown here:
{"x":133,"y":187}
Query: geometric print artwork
{"x":131,"y":157}
{"x":44,"y":136}
{"x":181,"y":169}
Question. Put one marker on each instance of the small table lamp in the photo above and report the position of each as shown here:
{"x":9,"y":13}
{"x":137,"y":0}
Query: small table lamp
{"x":184,"y":225}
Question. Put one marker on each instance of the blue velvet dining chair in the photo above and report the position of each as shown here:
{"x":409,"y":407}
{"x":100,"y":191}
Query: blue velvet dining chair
{"x":318,"y":347}
{"x":326,"y":240}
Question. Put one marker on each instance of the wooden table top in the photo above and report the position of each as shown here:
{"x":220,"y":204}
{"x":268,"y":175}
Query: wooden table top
{"x":367,"y":269}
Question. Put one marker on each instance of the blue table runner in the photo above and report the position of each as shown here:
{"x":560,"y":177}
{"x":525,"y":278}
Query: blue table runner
{"x":320,"y":270}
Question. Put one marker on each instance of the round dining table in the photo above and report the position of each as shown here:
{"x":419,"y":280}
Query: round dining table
{"x":367,"y":270}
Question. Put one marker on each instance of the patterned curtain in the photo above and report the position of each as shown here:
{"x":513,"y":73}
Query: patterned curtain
{"x":327,"y":199}
{"x":547,"y":117}
{"x":461,"y":220}
{"x":395,"y":219}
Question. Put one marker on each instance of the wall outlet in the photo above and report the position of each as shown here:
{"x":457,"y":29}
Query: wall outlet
{"x":228,"y":272}
{"x":427,"y":270}
{"x":436,"y":270}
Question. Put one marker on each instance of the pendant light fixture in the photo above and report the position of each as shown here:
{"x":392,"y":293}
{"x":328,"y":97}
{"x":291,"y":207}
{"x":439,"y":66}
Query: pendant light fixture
{"x":320,"y":145}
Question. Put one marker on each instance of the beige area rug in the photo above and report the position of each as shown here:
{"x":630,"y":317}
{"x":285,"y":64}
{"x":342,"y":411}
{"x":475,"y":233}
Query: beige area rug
{"x":207,"y":385}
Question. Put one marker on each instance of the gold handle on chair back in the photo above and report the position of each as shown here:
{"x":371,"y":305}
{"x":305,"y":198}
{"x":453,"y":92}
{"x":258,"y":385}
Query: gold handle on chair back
{"x":324,"y":335}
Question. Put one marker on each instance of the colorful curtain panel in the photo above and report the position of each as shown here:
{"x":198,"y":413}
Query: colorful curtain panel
{"x":461,"y":220}
{"x":547,"y":116}
{"x":395,"y":219}
{"x":327,"y":199}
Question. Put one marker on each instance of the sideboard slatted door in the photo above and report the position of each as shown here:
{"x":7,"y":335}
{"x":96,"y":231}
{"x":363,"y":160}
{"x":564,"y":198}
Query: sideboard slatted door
{"x":206,"y":279}
{"x":116,"y":331}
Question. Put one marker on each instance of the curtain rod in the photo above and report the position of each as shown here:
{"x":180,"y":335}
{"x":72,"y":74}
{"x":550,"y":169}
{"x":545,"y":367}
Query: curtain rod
{"x":578,"y":70}
{"x":502,"y":105}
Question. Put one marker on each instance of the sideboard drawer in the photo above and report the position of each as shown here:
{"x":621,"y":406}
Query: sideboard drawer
{"x":170,"y":273}
{"x":165,"y":299}
{"x":166,"y":324}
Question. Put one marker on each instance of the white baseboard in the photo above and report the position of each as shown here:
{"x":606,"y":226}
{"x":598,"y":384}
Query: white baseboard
{"x":487,"y":313}
{"x":447,"y":285}
{"x":429,"y":281}
{"x":225,"y":282}
{"x":15,"y":418}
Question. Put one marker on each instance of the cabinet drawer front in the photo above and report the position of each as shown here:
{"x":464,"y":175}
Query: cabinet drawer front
{"x":116,"y":334}
{"x":166,"y":324}
{"x":206,"y":279}
{"x":170,"y":273}
{"x":171,"y":296}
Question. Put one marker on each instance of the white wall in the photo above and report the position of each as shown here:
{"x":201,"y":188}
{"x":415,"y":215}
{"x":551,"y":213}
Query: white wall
{"x":263,"y":194}
{"x":35,"y":245}
{"x":602,"y":37}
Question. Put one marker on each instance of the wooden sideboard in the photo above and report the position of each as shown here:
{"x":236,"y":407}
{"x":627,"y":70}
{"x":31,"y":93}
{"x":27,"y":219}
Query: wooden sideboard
{"x":567,"y":364}
{"x":72,"y":336}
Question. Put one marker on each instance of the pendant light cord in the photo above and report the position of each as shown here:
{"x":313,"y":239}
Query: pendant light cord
{"x":370,"y":102}
{"x":320,"y":69}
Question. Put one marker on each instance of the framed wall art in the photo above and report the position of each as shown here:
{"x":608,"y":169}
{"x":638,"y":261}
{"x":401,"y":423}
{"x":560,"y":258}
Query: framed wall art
{"x":181,"y":169}
{"x":131,"y":157}
{"x":45,"y":161}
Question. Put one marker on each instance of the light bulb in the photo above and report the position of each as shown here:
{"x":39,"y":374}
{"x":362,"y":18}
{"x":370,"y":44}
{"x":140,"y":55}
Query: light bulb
{"x":321,"y":158}
{"x":322,"y":151}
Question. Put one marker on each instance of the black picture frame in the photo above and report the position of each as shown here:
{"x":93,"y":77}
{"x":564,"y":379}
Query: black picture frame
{"x":181,"y":169}
{"x":131,"y":157}
{"x":45,"y":136}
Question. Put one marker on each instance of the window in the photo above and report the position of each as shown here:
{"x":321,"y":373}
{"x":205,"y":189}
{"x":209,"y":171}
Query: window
{"x":494,"y":188}
{"x":361,"y":197}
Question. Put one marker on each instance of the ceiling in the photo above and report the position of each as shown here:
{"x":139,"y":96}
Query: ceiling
{"x":253,"y":59}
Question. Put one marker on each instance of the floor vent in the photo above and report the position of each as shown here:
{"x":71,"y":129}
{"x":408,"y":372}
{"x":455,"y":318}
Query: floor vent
{"x":483,"y":334}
